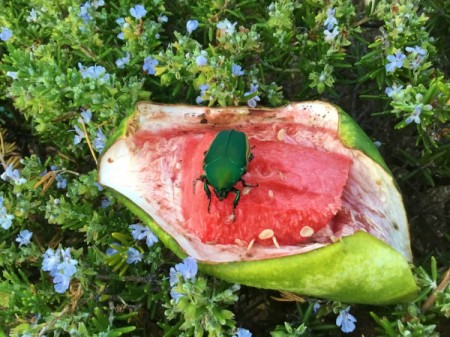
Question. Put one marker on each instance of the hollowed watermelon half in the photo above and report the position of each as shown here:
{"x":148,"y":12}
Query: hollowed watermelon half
{"x":326,"y":218}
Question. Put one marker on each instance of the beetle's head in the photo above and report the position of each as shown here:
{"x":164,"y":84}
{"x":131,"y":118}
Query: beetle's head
{"x":221,"y":194}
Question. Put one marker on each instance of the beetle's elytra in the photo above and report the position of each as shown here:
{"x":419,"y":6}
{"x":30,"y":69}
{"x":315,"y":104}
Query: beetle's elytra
{"x":226,"y":161}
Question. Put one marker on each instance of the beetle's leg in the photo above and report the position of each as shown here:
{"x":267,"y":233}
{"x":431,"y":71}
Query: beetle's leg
{"x":194,"y":182}
{"x":235,"y":201}
{"x":251,"y":154}
{"x":247,"y":185}
{"x":208,"y":192}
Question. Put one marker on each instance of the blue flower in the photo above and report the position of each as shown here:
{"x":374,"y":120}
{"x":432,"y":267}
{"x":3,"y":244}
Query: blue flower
{"x":252,"y":102}
{"x":330,"y":21}
{"x":95,"y":72}
{"x":415,"y":115}
{"x":13,"y":74}
{"x":5,"y":34}
{"x":162,"y":18}
{"x":316,"y":307}
{"x":99,"y":187}
{"x":191,"y":25}
{"x":61,"y":267}
{"x":396,"y":61}
{"x":187,"y":269}
{"x":330,"y":36}
{"x":61,"y":182}
{"x":134,"y":256}
{"x":86,"y":115}
{"x":79,"y":136}
{"x":346,"y":321}
{"x":51,"y":261}
{"x":149,"y":65}
{"x":416,"y":50}
{"x":84,"y":12}
{"x":67,"y":267}
{"x":13,"y":174}
{"x":24,"y":237}
{"x":236,"y":70}
{"x":32,"y":15}
{"x":5,"y":218}
{"x":123,"y":61}
{"x":394,"y":90}
{"x":138,"y":11}
{"x":226,"y":26}
{"x":105,"y":203}
{"x":111,"y":251}
{"x":419,"y":53}
{"x":120,"y":21}
{"x":99,"y":141}
{"x":203,"y":89}
{"x":61,"y":282}
{"x":98,"y":3}
{"x":140,"y":232}
{"x":243,"y":333}
{"x":416,"y":63}
{"x":175,"y":295}
{"x":201,"y":60}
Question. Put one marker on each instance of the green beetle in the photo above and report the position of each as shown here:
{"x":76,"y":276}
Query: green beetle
{"x":226,"y":161}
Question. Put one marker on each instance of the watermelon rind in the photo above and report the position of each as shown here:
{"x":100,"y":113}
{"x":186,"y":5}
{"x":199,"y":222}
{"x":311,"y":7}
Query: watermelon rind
{"x":358,"y":268}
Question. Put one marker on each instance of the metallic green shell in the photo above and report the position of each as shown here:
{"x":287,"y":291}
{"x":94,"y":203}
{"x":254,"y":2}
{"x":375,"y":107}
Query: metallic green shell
{"x":227,"y":159}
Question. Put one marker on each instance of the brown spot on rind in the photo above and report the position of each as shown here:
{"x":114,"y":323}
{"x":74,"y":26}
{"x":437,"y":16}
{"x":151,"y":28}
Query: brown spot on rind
{"x":110,"y":160}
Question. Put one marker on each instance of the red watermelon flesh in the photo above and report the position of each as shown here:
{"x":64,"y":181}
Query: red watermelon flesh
{"x":299,"y":186}
{"x":299,"y":192}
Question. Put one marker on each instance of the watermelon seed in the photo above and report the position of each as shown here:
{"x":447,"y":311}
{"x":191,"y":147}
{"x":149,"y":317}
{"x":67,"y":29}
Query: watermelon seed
{"x":275,"y":242}
{"x":240,"y":242}
{"x":306,"y":232}
{"x":280,"y":135}
{"x":245,"y":190}
{"x":266,"y":234}
{"x":271,"y":195}
{"x":250,"y":245}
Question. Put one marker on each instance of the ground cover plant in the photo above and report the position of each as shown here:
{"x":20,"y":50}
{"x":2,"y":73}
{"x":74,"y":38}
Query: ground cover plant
{"x":74,"y":261}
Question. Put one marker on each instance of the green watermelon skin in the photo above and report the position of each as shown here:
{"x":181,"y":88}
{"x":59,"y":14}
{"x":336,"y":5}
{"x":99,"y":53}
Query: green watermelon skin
{"x":362,"y":267}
